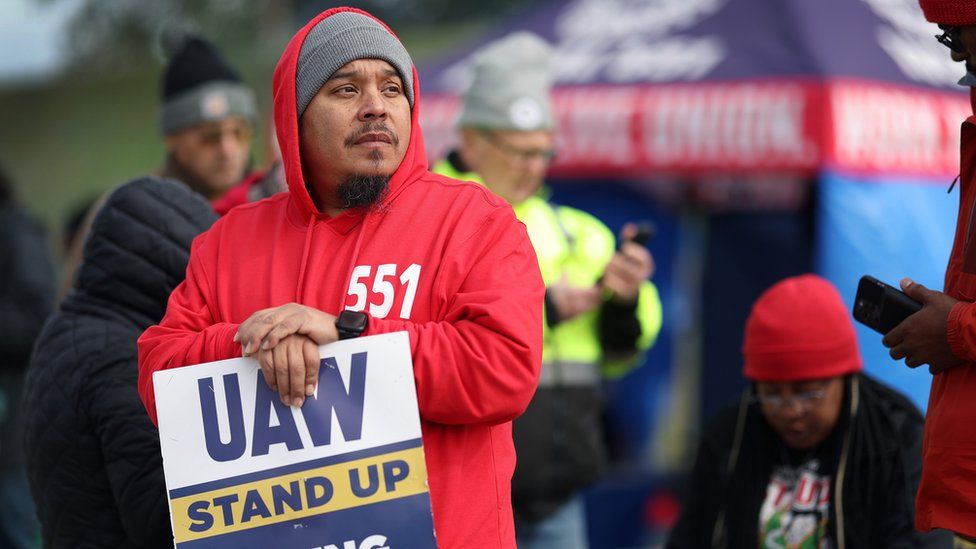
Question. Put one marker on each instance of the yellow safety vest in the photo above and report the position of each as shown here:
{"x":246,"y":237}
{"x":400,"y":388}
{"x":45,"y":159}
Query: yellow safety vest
{"x":574,"y":244}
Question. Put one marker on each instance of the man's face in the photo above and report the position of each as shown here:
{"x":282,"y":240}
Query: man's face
{"x":357,"y":125}
{"x":213,"y":156}
{"x":802,"y":413}
{"x":967,"y":35}
{"x":512,"y":164}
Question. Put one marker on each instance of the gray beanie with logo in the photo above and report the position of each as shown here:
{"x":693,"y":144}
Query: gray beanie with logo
{"x":510,"y":86}
{"x":340,"y":39}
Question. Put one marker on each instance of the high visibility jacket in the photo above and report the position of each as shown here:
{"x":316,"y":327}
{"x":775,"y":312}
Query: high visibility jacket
{"x":558,"y":440}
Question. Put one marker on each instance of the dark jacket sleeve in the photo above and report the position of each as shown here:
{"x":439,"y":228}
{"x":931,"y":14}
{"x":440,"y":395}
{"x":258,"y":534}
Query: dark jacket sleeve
{"x":130,"y":449}
{"x":699,"y":506}
{"x":26,"y":286}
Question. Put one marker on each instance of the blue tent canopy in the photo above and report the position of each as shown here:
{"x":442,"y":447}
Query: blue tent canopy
{"x":626,"y":42}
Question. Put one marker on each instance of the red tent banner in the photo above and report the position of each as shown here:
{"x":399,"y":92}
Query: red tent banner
{"x":774,"y":126}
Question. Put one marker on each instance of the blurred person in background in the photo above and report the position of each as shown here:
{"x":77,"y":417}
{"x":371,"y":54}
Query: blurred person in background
{"x":93,"y":455}
{"x":207,"y":118}
{"x":943,"y":333}
{"x":259,"y":184}
{"x":601,"y":312}
{"x":26,"y":298}
{"x":817,"y":453}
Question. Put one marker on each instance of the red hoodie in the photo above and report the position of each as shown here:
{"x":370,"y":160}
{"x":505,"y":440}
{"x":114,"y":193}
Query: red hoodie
{"x":446,"y":261}
{"x":947,"y":490}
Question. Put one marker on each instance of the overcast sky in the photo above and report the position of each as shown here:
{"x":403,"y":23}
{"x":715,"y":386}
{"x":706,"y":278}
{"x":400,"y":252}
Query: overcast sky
{"x":32,"y":35}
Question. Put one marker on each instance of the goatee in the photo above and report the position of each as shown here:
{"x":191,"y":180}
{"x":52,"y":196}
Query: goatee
{"x":361,"y":190}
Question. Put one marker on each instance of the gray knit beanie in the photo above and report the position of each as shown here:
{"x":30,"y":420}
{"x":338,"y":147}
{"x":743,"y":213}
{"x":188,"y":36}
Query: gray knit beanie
{"x":510,"y":85}
{"x":340,"y":39}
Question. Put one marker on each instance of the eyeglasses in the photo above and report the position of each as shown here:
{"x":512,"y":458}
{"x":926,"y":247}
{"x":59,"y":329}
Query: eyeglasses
{"x":951,"y":38}
{"x":804,"y":401}
{"x":523,"y":155}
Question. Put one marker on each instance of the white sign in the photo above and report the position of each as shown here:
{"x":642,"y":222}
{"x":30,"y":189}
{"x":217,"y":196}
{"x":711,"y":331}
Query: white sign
{"x":344,"y":471}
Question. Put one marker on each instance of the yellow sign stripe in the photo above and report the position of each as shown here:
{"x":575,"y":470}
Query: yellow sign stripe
{"x":297,"y":495}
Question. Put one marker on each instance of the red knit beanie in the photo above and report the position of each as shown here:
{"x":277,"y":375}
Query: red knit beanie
{"x":956,"y":13}
{"x":799,"y":329}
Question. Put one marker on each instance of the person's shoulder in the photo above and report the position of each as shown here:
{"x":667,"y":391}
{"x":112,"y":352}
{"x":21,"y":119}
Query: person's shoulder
{"x":250,"y":217}
{"x":245,"y":213}
{"x":720,"y":430}
{"x":71,"y":343}
{"x":887,"y":403}
{"x":455,"y":192}
{"x":889,"y":419}
{"x":579,"y":216}
{"x":578,"y":221}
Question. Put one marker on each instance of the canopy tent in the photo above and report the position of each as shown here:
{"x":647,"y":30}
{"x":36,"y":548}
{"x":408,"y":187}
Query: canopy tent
{"x":691,"y":86}
{"x":855,"y":95}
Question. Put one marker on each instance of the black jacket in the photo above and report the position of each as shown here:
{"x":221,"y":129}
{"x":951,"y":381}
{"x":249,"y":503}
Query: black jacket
{"x":26,"y":298}
{"x":93,"y":455}
{"x":559,"y":439}
{"x":881,"y":470}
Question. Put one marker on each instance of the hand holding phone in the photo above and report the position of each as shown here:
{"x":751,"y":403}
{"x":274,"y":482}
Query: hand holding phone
{"x":631,"y":266}
{"x":880,"y":306}
{"x":646,"y":231}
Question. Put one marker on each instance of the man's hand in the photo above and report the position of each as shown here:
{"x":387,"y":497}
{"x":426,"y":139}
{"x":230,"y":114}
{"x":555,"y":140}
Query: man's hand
{"x":286,"y":341}
{"x":571,"y":301}
{"x":921,"y":338}
{"x":291,"y":368}
{"x":628,"y":269}
{"x":265,"y":328}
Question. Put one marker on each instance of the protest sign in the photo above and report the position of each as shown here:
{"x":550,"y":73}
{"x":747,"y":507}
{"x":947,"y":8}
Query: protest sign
{"x":344,"y":471}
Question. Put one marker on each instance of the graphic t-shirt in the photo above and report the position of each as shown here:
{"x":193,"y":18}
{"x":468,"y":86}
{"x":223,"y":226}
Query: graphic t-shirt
{"x":796,"y":509}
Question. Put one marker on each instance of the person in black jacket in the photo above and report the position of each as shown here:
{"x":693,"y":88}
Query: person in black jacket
{"x":26,"y":298}
{"x":94,"y":463}
{"x":817,"y":453}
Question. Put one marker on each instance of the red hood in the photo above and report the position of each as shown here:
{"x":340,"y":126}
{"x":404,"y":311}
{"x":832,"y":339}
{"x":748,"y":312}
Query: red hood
{"x":414,"y":162}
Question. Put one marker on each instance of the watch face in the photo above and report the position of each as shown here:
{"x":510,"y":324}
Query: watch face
{"x":351,"y":324}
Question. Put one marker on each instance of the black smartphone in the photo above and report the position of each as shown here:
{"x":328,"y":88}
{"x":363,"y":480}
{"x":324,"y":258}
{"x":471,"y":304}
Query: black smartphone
{"x":880,"y":306}
{"x":646,"y":230}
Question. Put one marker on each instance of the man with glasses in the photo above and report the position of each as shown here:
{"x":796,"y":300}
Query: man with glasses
{"x":816,"y":453}
{"x":601,"y":312}
{"x":207,"y":119}
{"x":943,"y":333}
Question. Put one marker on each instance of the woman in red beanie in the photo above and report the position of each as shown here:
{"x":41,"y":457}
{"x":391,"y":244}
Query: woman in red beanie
{"x":816,"y":454}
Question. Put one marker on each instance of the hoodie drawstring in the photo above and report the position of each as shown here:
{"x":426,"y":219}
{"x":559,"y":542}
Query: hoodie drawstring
{"x":309,"y":229}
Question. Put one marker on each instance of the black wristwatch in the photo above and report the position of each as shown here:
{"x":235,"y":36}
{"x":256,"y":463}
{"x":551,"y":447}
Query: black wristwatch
{"x":351,"y":324}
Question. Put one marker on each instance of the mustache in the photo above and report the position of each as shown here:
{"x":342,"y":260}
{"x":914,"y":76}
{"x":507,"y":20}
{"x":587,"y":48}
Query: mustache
{"x":372,"y":127}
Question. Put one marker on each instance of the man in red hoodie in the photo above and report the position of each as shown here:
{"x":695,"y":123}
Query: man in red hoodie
{"x":943,"y":333}
{"x":368,"y":241}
